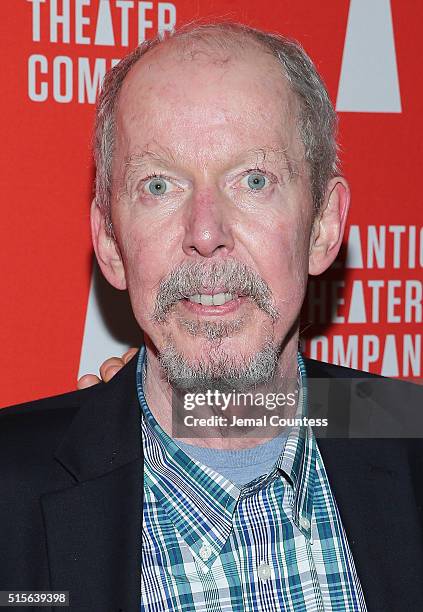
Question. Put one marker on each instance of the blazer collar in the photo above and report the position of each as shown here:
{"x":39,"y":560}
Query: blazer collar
{"x":106,"y":432}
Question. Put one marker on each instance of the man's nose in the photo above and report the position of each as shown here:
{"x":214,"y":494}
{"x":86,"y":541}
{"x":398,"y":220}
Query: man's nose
{"x":208,"y":230}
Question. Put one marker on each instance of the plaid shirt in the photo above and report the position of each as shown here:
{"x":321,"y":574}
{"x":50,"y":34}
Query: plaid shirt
{"x":275,"y":544}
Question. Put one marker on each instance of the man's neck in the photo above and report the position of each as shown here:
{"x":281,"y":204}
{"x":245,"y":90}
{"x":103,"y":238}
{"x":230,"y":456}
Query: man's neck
{"x":158,"y":394}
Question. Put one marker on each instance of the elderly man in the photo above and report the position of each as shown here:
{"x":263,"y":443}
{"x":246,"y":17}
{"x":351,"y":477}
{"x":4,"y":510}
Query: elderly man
{"x":217,"y":193}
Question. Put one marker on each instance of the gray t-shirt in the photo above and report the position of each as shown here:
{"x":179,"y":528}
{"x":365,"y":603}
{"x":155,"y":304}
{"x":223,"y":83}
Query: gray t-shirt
{"x":239,"y":466}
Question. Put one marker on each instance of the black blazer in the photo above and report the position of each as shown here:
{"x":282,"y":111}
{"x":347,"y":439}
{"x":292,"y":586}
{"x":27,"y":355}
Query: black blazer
{"x":71,"y":475}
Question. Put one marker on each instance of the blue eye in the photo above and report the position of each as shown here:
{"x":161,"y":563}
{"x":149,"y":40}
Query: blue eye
{"x":256,"y":181}
{"x":157,"y":186}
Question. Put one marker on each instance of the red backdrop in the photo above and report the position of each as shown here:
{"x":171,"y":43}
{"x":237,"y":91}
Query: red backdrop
{"x":367,"y":310}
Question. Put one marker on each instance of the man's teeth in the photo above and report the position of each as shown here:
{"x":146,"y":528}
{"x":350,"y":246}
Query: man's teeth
{"x":218,"y":299}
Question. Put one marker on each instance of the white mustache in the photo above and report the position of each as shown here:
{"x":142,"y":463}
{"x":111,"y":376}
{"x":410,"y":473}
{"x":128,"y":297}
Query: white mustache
{"x":191,"y":278}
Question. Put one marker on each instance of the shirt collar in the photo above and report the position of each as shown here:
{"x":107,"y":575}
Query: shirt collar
{"x":298,"y":460}
{"x":199,"y":501}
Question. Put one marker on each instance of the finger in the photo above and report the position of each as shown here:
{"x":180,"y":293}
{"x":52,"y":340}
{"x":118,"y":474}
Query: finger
{"x":111,"y":362}
{"x":111,"y":371}
{"x":129,"y":354}
{"x":88,"y":380}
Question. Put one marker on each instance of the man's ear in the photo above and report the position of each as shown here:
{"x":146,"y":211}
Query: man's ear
{"x":106,"y":249}
{"x":329,"y":225}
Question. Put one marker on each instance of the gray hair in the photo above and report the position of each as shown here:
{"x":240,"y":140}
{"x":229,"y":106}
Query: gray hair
{"x":317,"y":117}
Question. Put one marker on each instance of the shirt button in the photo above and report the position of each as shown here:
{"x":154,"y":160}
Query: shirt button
{"x":264,"y":571}
{"x":205,"y":551}
{"x":304,"y":522}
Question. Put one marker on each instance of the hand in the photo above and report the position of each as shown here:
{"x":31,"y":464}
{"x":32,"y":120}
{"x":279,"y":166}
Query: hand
{"x":107,"y":370}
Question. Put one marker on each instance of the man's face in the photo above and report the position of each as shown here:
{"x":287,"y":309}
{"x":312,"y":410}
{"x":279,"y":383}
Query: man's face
{"x":210,"y":188}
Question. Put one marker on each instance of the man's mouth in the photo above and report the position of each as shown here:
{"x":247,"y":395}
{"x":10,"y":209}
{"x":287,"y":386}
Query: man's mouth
{"x":216,"y":299}
{"x":214,"y":302}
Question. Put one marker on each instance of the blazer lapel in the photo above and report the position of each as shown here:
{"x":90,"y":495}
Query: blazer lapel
{"x":93,"y":529}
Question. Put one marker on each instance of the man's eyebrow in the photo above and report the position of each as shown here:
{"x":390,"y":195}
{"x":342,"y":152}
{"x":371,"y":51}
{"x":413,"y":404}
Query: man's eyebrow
{"x":162,"y":156}
{"x":262,"y":153}
{"x":142,"y":158}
